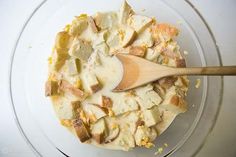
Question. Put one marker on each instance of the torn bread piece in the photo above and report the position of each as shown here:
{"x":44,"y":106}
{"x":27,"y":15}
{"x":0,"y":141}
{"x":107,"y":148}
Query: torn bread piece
{"x":139,"y":22}
{"x":99,"y":131}
{"x":125,"y":12}
{"x":59,"y":57}
{"x":151,"y":116}
{"x":113,"y":134}
{"x":51,"y":88}
{"x":65,"y":86}
{"x":160,"y":90}
{"x":144,"y":136}
{"x":113,"y":41}
{"x":79,"y":24}
{"x":145,"y":39}
{"x":106,"y":20}
{"x":182,"y":82}
{"x":81,"y":49}
{"x":131,"y":120}
{"x":152,"y":55}
{"x":92,"y":82}
{"x":63,"y":40}
{"x":81,"y":130}
{"x":125,"y":140}
{"x":76,"y":107}
{"x":63,"y":108}
{"x":147,"y":97}
{"x":127,"y":36}
{"x":125,"y":105}
{"x":92,"y":24}
{"x":100,"y":37}
{"x":94,"y":112}
{"x":73,"y":66}
{"x":174,"y":102}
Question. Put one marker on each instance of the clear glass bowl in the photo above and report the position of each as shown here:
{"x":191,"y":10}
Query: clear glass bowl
{"x":34,"y":113}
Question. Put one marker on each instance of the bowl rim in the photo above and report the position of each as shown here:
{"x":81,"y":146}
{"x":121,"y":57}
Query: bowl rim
{"x":221,"y":77}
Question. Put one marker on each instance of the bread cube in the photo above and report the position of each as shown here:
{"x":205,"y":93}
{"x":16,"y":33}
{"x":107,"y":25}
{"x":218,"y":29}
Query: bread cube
{"x":94,"y":110}
{"x":127,"y":36}
{"x":144,"y":135}
{"x":51,"y":88}
{"x":124,"y":12}
{"x":139,"y":22}
{"x":81,"y":130}
{"x":78,"y":25}
{"x":63,"y":40}
{"x":147,"y":97}
{"x":73,"y":66}
{"x":81,"y":49}
{"x":99,"y":131}
{"x":106,"y":20}
{"x":92,"y":82}
{"x":173,"y":102}
{"x":151,"y":116}
{"x":152,"y":55}
{"x":144,"y":39}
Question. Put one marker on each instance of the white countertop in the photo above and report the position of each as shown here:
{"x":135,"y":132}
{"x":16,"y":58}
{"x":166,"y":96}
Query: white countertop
{"x":220,"y":16}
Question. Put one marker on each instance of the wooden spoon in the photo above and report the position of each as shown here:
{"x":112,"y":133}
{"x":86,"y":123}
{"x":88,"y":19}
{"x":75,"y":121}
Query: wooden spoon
{"x":138,"y":71}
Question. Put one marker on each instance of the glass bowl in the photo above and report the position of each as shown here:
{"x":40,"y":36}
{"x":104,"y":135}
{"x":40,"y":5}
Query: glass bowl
{"x":34,"y":114}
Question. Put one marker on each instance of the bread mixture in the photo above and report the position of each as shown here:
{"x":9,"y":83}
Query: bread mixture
{"x":83,"y":70}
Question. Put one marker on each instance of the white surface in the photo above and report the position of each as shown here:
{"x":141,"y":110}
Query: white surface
{"x":220,"y":16}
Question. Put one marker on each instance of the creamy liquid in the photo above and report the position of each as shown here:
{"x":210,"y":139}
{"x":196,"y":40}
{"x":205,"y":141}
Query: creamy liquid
{"x":109,"y":74}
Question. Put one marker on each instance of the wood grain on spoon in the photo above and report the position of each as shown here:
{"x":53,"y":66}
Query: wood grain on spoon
{"x":138,"y":71}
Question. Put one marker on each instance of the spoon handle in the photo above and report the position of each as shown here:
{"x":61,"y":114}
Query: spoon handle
{"x":223,"y":70}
